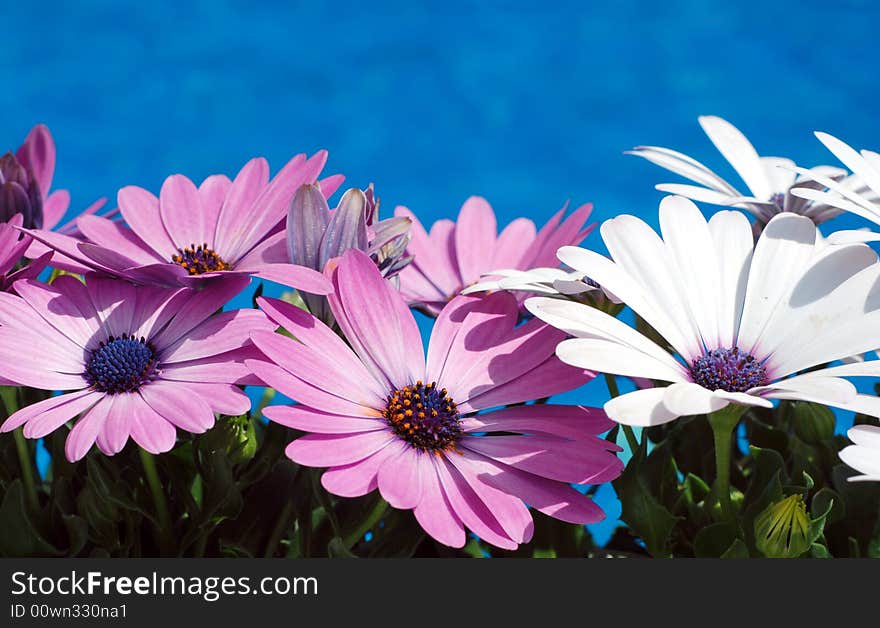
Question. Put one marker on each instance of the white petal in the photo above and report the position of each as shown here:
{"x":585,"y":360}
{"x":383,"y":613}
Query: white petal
{"x":852,"y":236}
{"x":863,"y":460}
{"x":826,"y":390}
{"x":614,"y":279}
{"x":696,"y":193}
{"x":743,"y":399}
{"x":734,"y":243}
{"x":640,"y":252}
{"x":641,"y":408}
{"x":584,"y":321}
{"x":690,"y":243}
{"x":828,"y":316}
{"x":685,"y":166}
{"x":779,"y":171}
{"x":781,"y":254}
{"x":687,"y":398}
{"x":867,"y":435}
{"x":852,"y":160}
{"x":608,"y":356}
{"x":739,"y":152}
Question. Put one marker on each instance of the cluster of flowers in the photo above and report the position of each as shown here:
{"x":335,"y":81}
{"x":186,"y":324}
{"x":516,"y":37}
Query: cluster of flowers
{"x":129,"y":339}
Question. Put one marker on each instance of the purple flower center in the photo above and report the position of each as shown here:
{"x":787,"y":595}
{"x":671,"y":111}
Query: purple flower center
{"x":198,"y":260}
{"x":424,"y":416}
{"x":121,"y":365}
{"x":778,"y":199}
{"x":728,"y":369}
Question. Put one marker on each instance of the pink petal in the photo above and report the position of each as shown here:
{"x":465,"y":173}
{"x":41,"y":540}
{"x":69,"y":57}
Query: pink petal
{"x":116,"y":237}
{"x":223,"y":398}
{"x":510,"y":511}
{"x":212,"y":193}
{"x":22,"y":416}
{"x":299,"y":277}
{"x":556,"y":499}
{"x":234,"y":215}
{"x":436,"y":515}
{"x":56,"y":308}
{"x":475,"y":233}
{"x":200,"y":306}
{"x":317,"y":369}
{"x":470,"y":508}
{"x":180,"y":208}
{"x":512,"y":244}
{"x":54,"y":208}
{"x":177,"y":404}
{"x":46,"y":422}
{"x":433,"y":275}
{"x":400,"y":476}
{"x":549,"y":457}
{"x":328,"y":450}
{"x":117,"y":425}
{"x":330,"y":184}
{"x":295,"y":388}
{"x":86,"y":430}
{"x":37,"y":152}
{"x":149,"y":429}
{"x":317,"y":336}
{"x":376,"y":321}
{"x":140,"y":210}
{"x":545,"y":380}
{"x":357,"y":478}
{"x":308,"y":420}
{"x":574,"y":422}
{"x":221,"y":333}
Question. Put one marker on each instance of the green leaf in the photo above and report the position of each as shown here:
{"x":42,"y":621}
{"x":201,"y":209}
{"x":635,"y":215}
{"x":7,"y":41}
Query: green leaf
{"x":644,"y":514}
{"x":817,"y":550}
{"x":714,"y":540}
{"x":828,"y":501}
{"x":20,"y":536}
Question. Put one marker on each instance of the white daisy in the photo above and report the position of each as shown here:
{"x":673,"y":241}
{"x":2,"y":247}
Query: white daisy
{"x":544,"y":281}
{"x":864,"y":454}
{"x":861,"y":200}
{"x":769,"y":179}
{"x":741,"y":318}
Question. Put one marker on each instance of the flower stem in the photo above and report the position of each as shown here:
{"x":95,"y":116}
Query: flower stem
{"x":165,"y":532}
{"x":614,"y":391}
{"x":27,"y":471}
{"x":723,"y":423}
{"x":10,"y":400}
{"x":368,"y":524}
{"x":281,"y":524}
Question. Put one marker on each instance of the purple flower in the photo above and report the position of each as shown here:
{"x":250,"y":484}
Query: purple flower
{"x":139,"y":362}
{"x":380,"y":414}
{"x":317,"y":234}
{"x":25,"y":188}
{"x":189,"y":235}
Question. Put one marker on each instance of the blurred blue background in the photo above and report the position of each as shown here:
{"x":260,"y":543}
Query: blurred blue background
{"x":528,"y":104}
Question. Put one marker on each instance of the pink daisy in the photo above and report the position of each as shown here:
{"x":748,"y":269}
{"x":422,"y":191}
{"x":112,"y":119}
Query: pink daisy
{"x":191,"y":234}
{"x":422,"y":430}
{"x":26,"y":180}
{"x":456,"y":255}
{"x":138,"y":361}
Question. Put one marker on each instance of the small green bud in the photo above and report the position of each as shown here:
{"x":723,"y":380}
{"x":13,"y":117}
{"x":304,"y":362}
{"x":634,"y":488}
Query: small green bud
{"x":235,"y":435}
{"x":813,"y":423}
{"x":782,"y":530}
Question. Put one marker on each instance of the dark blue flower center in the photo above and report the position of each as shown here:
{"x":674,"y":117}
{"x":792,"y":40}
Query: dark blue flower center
{"x":121,"y":365}
{"x":424,"y":416}
{"x":728,"y":369}
{"x":198,"y":260}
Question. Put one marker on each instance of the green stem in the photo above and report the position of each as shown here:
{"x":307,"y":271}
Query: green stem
{"x":10,"y":400}
{"x":166,"y":534}
{"x":723,"y":424}
{"x":614,"y":392}
{"x":368,"y":524}
{"x":27,"y":471}
{"x":278,"y":530}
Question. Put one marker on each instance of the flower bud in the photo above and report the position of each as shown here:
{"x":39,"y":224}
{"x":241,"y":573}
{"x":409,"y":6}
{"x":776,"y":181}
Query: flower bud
{"x":782,"y":529}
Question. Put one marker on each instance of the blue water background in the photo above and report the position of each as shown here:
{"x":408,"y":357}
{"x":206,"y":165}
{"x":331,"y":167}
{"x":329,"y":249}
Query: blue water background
{"x":528,"y":104}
